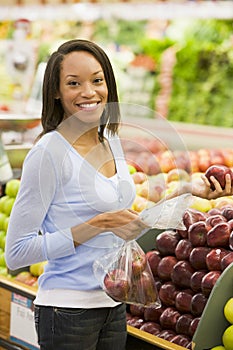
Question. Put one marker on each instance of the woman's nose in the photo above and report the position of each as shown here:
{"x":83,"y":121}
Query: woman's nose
{"x":88,"y":90}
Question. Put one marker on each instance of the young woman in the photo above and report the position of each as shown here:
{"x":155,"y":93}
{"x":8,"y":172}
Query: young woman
{"x":74,"y":202}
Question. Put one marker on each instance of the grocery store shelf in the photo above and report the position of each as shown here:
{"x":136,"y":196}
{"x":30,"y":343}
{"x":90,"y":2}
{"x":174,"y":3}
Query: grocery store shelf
{"x":120,"y":10}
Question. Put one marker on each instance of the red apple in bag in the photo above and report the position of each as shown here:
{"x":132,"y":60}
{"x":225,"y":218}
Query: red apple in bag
{"x":139,"y":262}
{"x":117,"y":284}
{"x":219,"y":172}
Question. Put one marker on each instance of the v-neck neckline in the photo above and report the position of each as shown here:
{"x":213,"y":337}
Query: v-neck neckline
{"x":86,"y":161}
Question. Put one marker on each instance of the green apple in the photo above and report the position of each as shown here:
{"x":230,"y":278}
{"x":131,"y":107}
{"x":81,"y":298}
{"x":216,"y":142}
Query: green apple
{"x":12,"y":188}
{"x":132,"y":169}
{"x":2,"y":239}
{"x":2,"y":259}
{"x":3,"y":216}
{"x":2,"y":201}
{"x":8,"y":204}
{"x":5,"y":224}
{"x":3,"y":271}
{"x":38,"y":268}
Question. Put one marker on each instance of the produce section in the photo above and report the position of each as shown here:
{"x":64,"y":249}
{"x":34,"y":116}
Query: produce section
{"x":169,"y":74}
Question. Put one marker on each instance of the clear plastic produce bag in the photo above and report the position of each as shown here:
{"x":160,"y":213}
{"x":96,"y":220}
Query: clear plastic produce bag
{"x":125,"y":276}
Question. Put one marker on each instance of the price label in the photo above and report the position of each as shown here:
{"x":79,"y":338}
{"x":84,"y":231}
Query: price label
{"x":22,"y":327}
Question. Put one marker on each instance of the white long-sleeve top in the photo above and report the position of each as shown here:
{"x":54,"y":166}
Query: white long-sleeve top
{"x":60,"y":189}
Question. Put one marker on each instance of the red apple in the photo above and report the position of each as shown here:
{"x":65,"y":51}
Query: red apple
{"x":219,"y":172}
{"x":226,"y":260}
{"x":183,"y":301}
{"x":166,"y":242}
{"x":228,"y":213}
{"x":151,"y":327}
{"x":197,"y":257}
{"x":198,"y":304}
{"x":144,"y":289}
{"x":213,"y":220}
{"x":169,"y":318}
{"x":197,"y":233}
{"x":153,"y":258}
{"x":193,"y":326}
{"x":136,"y":322}
{"x":153,"y":313}
{"x":117,"y":284}
{"x":208,"y":281}
{"x":230,"y":223}
{"x":214,"y":258}
{"x":183,"y":233}
{"x":183,"y":323}
{"x":139,"y":177}
{"x":181,"y":340}
{"x":192,"y":215}
{"x":165,"y":267}
{"x":219,"y":235}
{"x":214,"y":211}
{"x":183,"y":249}
{"x":139,"y":262}
{"x":167,"y":293}
{"x":136,"y":310}
{"x":182,"y":273}
{"x":166,"y":334}
{"x":195,"y":280}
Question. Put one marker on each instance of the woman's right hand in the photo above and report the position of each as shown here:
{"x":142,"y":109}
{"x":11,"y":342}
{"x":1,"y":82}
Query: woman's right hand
{"x":125,"y":224}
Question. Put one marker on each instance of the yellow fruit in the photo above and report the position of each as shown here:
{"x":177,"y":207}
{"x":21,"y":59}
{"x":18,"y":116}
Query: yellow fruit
{"x":37,"y":269}
{"x":227,"y":338}
{"x":218,"y":347}
{"x":228,"y":310}
{"x":201,"y":204}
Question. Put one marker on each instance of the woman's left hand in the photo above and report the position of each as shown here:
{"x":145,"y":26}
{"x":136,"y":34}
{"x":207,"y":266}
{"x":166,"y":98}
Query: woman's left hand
{"x":203,"y":188}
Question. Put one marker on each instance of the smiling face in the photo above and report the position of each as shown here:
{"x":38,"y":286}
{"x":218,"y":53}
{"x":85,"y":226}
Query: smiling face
{"x":83,"y":90}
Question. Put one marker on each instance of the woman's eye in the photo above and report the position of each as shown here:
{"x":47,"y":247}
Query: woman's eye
{"x":98,"y":80}
{"x":73,"y":83}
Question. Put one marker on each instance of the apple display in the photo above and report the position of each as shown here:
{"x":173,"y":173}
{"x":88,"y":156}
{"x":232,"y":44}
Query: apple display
{"x":198,"y":304}
{"x":208,"y":282}
{"x":214,"y":258}
{"x":182,"y":273}
{"x":117,"y":284}
{"x":197,"y":257}
{"x":219,"y":235}
{"x":153,"y":258}
{"x":183,"y":249}
{"x":165,"y":267}
{"x":166,"y":242}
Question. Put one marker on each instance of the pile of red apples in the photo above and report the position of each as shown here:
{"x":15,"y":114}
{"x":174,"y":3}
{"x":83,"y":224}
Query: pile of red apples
{"x":186,"y":264}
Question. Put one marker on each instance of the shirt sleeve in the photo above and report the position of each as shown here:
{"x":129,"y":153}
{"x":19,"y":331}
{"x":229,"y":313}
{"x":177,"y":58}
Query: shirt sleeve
{"x":25,"y":245}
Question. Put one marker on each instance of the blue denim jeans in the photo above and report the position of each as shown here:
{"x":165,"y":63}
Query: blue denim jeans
{"x":81,"y":329}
